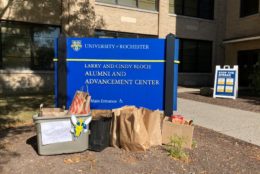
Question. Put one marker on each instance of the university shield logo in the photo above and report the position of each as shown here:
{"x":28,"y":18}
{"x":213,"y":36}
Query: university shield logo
{"x":76,"y":45}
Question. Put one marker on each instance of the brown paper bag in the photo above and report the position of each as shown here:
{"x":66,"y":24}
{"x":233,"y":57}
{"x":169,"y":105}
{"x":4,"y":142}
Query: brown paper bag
{"x":133,"y":134}
{"x":170,"y":129}
{"x":115,"y":134}
{"x":96,"y":114}
{"x":52,"y":112}
{"x":152,"y":121}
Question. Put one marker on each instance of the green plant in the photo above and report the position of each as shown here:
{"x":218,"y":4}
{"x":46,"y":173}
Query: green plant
{"x":206,"y":91}
{"x":194,"y":144}
{"x":175,"y":148}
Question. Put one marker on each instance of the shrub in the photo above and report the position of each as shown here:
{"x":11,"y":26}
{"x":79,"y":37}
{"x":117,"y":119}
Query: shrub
{"x":206,"y":91}
{"x":175,"y":148}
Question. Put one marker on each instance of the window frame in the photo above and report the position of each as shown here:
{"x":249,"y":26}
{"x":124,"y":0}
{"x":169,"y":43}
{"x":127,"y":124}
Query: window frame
{"x":118,"y":33}
{"x":31,"y":27}
{"x":136,"y":5}
{"x":197,"y":55}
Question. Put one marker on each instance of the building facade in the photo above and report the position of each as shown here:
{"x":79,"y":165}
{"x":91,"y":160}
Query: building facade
{"x":212,"y":32}
{"x":242,"y":38}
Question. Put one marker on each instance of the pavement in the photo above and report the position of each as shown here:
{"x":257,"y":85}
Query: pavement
{"x":185,"y":89}
{"x":236,"y":123}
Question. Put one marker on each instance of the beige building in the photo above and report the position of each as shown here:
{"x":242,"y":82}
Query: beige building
{"x":212,"y":32}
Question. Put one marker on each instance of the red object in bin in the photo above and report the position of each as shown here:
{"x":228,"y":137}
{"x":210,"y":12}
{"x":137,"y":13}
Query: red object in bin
{"x":177,"y":119}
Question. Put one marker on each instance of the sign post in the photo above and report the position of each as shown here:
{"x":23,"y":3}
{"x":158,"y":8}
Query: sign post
{"x":118,"y":72}
{"x":169,"y":77}
{"x":61,"y":78}
{"x":226,"y":82}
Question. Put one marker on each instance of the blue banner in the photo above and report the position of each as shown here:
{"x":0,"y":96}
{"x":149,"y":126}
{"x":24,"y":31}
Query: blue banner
{"x":118,"y":49}
{"x":118,"y":72}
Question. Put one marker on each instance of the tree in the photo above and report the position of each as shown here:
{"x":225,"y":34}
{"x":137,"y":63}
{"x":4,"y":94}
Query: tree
{"x":79,"y":18}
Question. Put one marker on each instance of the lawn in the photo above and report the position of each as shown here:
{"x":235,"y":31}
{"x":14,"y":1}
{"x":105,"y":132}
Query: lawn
{"x":18,"y":110}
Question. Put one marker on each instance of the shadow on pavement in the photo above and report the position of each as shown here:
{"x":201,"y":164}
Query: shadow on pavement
{"x":33,"y":142}
{"x":15,"y":111}
{"x":6,"y":135}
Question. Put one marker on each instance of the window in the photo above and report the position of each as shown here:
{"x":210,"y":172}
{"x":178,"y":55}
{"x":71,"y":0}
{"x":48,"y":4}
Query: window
{"x":195,"y":56}
{"x":248,"y":7}
{"x":27,"y":46}
{"x":148,"y":4}
{"x":129,"y":3}
{"x":247,"y":62}
{"x":190,"y":8}
{"x":142,"y":4}
{"x":114,"y":34}
{"x":107,"y":1}
{"x":176,"y":6}
{"x":194,"y":8}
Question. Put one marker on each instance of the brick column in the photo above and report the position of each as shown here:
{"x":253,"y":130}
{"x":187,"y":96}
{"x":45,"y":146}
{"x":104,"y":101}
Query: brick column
{"x":163,"y":18}
{"x":65,"y":17}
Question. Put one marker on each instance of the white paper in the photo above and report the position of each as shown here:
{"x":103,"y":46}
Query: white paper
{"x":230,"y":81}
{"x":221,"y":81}
{"x":220,"y":89}
{"x":56,"y":132}
{"x":229,"y":89}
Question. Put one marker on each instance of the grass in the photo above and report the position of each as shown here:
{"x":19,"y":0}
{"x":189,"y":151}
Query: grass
{"x":175,"y":148}
{"x":16,"y":110}
{"x":194,"y":144}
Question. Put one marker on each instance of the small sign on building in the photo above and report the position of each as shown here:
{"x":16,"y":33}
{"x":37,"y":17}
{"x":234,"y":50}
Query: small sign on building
{"x":226,"y":82}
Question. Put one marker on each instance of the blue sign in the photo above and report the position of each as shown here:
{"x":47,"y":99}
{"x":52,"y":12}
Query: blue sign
{"x":226,"y":82}
{"x":118,"y":72}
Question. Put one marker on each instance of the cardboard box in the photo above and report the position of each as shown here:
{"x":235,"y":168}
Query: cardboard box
{"x":170,"y":129}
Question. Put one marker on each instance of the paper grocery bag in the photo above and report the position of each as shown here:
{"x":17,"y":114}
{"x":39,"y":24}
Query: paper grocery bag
{"x":152,"y":121}
{"x":97,"y":114}
{"x":133,"y":134}
{"x":184,"y":131}
{"x":80,"y":103}
{"x":115,"y":130}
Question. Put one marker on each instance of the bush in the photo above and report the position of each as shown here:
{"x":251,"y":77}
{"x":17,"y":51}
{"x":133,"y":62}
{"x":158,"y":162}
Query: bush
{"x":206,"y":91}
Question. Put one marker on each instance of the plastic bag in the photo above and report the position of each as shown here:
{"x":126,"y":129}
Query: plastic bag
{"x":80,"y":103}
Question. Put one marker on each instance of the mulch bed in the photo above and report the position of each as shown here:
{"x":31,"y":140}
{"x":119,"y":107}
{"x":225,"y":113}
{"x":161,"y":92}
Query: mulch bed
{"x":248,"y":103}
{"x":215,"y":153}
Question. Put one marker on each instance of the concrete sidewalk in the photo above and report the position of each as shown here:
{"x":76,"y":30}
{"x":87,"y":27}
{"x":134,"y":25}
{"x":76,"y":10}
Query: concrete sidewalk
{"x":237,"y":123}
